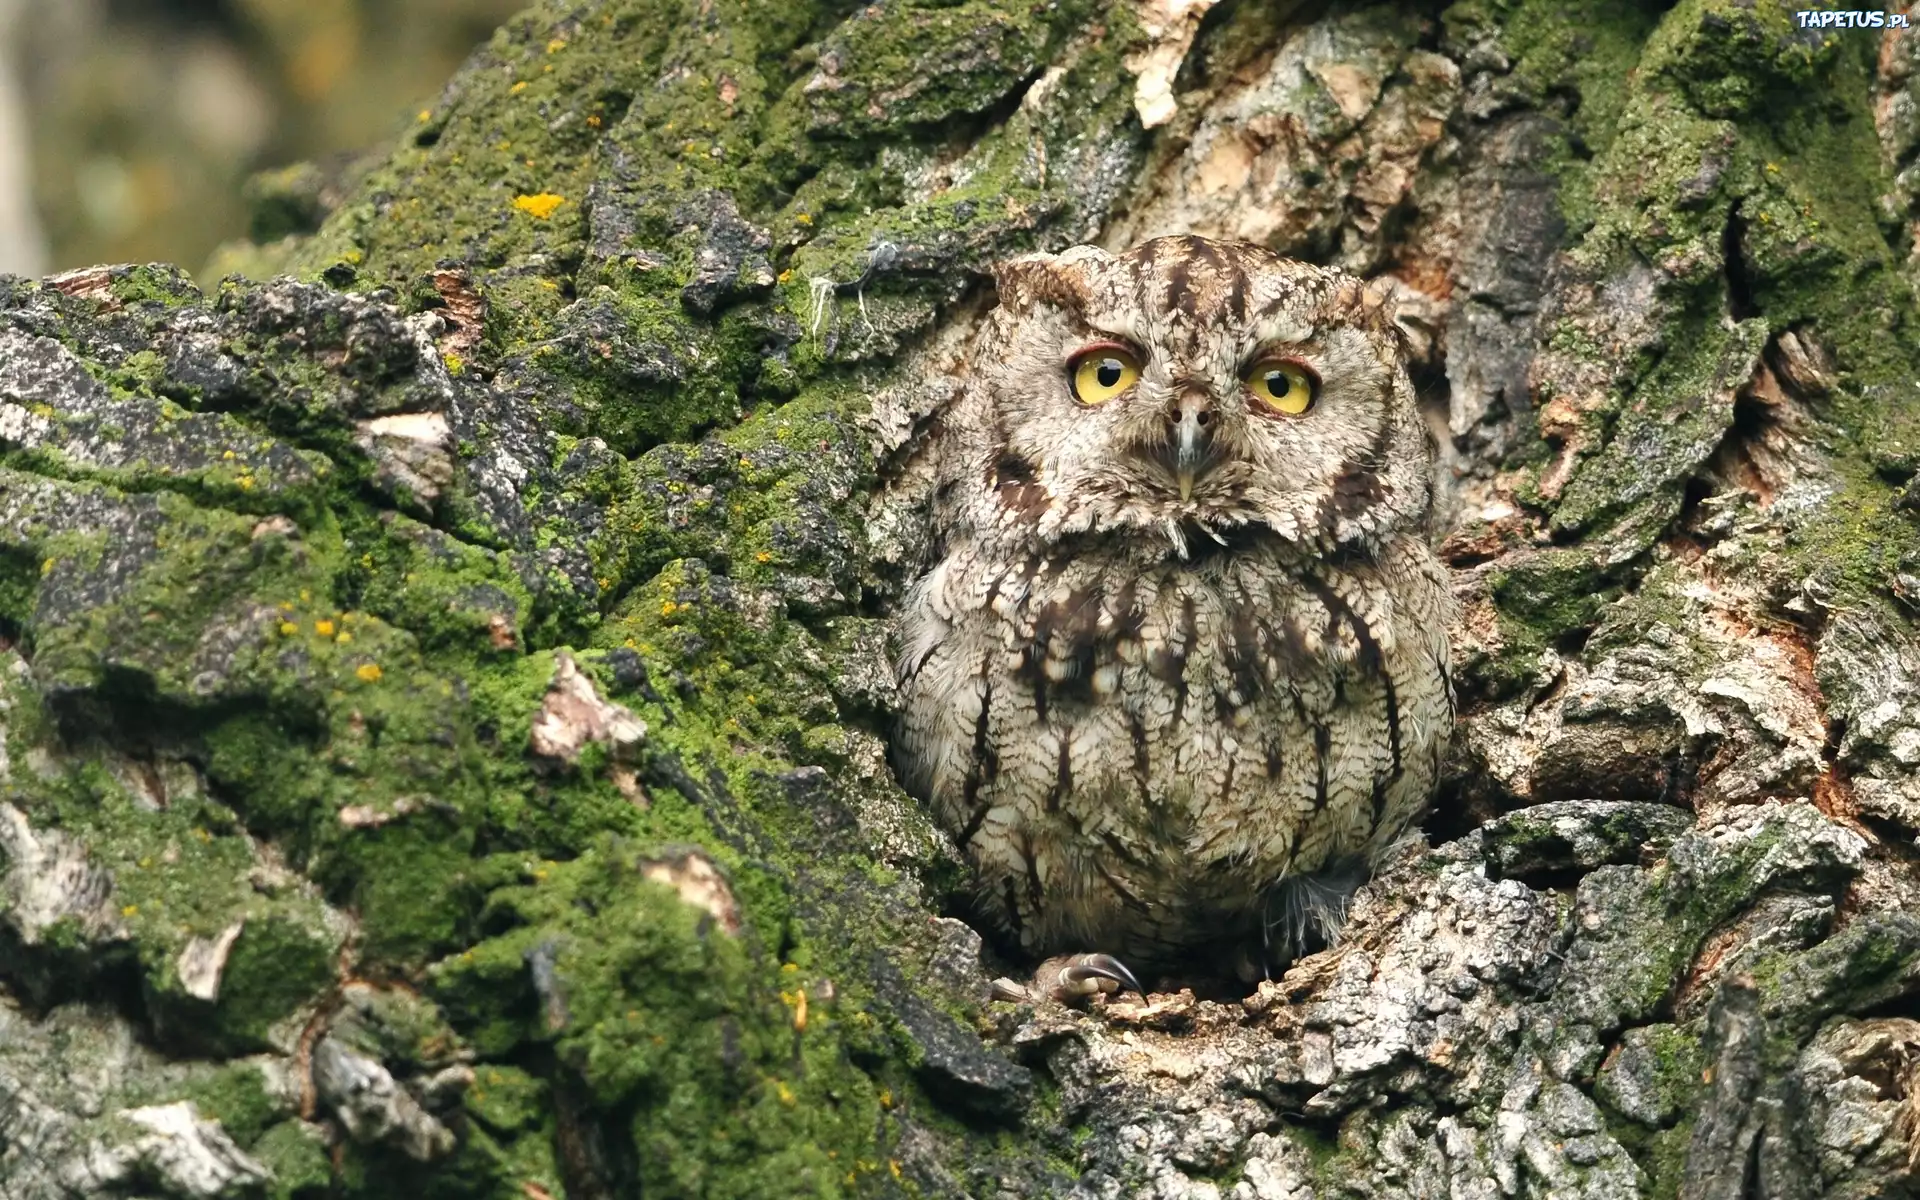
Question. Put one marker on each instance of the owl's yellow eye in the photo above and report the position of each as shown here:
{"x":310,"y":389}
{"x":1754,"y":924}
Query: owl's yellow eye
{"x":1283,"y":385}
{"x":1099,"y":373}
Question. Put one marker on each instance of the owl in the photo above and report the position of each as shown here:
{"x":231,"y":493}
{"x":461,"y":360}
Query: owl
{"x":1178,"y":675}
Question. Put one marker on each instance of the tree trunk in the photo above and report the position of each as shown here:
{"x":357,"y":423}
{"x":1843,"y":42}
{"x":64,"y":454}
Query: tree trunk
{"x":445,"y":699}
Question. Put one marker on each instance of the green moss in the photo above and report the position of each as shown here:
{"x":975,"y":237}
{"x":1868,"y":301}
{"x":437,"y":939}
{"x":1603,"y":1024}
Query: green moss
{"x":507,"y":1099}
{"x":278,"y":965}
{"x":1736,"y":155}
{"x":159,"y":285}
{"x":1540,"y":599}
{"x":180,"y":877}
{"x":662,"y":1013}
{"x":1732,"y":59}
{"x":526,"y":124}
{"x":237,"y":1096}
{"x":452,"y":596}
{"x":1860,"y":968}
{"x":1552,"y":592}
{"x":508,"y":1168}
{"x":398,"y":1026}
{"x":1665,"y":1157}
{"x":956,"y":59}
{"x":1575,"y":59}
{"x":139,"y":372}
{"x":294,"y":1152}
{"x":752,"y":504}
{"x":20,"y":572}
{"x":1677,"y":416}
{"x":410,"y":883}
{"x":1675,"y":1055}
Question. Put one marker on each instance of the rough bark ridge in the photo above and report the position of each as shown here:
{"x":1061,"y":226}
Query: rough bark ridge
{"x":443,"y":698}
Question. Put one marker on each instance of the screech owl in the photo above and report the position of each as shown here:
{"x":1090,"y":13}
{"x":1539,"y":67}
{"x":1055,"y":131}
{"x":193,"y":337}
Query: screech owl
{"x":1179,"y":674}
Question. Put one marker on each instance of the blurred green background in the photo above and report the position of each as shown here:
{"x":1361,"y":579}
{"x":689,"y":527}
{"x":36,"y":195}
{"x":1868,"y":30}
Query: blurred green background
{"x":129,"y":127}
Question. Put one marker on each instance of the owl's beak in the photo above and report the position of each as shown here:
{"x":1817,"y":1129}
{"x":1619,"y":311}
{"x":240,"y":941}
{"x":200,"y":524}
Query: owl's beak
{"x":1191,"y":440}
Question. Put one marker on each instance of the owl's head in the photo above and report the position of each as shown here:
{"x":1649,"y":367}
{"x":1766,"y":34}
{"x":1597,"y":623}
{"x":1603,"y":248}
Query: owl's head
{"x":1193,"y":389}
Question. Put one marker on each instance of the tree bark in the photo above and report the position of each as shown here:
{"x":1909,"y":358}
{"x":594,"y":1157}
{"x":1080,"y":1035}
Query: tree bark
{"x":445,"y":691}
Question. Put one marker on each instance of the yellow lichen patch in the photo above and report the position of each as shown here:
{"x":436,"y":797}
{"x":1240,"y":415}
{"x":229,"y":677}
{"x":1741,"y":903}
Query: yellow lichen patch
{"x":540,"y":205}
{"x":368,"y":672}
{"x":323,"y":628}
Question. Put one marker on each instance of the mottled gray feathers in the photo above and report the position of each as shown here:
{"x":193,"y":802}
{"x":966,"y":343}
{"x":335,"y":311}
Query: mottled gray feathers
{"x":1168,"y":702}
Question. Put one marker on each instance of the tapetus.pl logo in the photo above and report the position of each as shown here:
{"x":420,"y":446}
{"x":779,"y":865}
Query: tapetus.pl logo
{"x":1850,"y":19}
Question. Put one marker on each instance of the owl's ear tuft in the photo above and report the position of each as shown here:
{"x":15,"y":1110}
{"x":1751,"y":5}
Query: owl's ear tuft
{"x":1039,"y":279}
{"x":1372,"y":304}
{"x":1380,"y":297}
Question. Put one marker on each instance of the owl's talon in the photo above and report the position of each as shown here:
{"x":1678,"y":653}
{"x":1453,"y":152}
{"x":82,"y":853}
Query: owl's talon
{"x":1084,"y":975}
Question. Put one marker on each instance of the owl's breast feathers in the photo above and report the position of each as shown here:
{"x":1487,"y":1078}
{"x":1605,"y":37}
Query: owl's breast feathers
{"x":1134,"y":751}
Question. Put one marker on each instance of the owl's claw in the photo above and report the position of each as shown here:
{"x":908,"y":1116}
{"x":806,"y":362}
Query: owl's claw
{"x":1083,"y":975}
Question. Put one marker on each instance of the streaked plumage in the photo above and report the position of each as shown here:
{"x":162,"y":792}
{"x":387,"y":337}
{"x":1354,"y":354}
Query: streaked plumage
{"x":1158,"y":725}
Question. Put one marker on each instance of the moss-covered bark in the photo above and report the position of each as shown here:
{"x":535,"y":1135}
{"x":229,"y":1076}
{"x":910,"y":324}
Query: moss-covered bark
{"x":446,"y":691}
